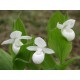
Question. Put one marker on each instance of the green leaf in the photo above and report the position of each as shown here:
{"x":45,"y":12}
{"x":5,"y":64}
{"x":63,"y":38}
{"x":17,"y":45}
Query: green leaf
{"x":23,"y":54}
{"x":68,"y":62}
{"x":5,"y":61}
{"x":56,"y":41}
{"x":11,"y":51}
{"x":19,"y":64}
{"x":32,"y":66}
{"x":48,"y":63}
{"x":18,"y":25}
{"x":55,"y":18}
{"x":25,"y":65}
{"x":66,"y":16}
{"x":59,"y":44}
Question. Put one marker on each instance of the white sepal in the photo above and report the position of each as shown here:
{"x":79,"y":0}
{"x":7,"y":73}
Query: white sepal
{"x":9,"y":41}
{"x":68,"y":34}
{"x":40,"y":42}
{"x":69,"y":23}
{"x":48,"y":51}
{"x":16,"y":46}
{"x":16,"y":34}
{"x":38,"y":57}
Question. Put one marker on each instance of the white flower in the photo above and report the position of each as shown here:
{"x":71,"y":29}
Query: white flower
{"x":15,"y":39}
{"x":40,"y":49}
{"x":66,"y":29}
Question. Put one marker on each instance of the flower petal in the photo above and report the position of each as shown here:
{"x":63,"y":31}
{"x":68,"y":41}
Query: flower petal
{"x":69,"y":23}
{"x":18,"y":43}
{"x":9,"y":41}
{"x":32,"y":48}
{"x":48,"y":51}
{"x":16,"y":46}
{"x":26,"y":37}
{"x":40,"y":42}
{"x":68,"y":34}
{"x":59,"y":26}
{"x":38,"y":58}
{"x":16,"y":34}
{"x":15,"y":49}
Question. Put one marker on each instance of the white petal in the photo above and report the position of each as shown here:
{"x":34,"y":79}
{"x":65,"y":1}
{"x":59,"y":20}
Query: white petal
{"x":39,"y":49}
{"x":15,"y":49}
{"x":9,"y":41}
{"x":59,"y":26}
{"x":68,"y":34}
{"x":18,"y":43}
{"x":38,"y":57}
{"x":40,"y":42}
{"x":26,"y":37}
{"x":69,"y":23}
{"x":48,"y":51}
{"x":16,"y":46}
{"x":32,"y":48}
{"x":16,"y":34}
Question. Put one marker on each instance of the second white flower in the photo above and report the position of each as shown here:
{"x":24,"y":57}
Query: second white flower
{"x":40,"y":49}
{"x":66,"y":29}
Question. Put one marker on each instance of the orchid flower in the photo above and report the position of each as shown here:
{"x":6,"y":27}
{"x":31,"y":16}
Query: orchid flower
{"x":40,"y":49}
{"x":15,"y":39}
{"x":66,"y":29}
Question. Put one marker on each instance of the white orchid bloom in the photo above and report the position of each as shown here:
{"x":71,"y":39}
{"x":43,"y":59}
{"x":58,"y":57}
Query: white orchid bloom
{"x":66,"y":29}
{"x":15,"y":39}
{"x":40,"y":49}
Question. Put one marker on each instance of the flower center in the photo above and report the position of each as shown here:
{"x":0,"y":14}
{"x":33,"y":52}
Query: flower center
{"x":39,"y":49}
{"x":69,"y":30}
{"x":18,"y":43}
{"x":39,"y":52}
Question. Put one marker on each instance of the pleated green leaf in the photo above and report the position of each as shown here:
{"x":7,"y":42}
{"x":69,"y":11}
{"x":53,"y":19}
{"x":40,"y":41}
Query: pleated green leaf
{"x":70,"y":61}
{"x":56,"y":17}
{"x":49,"y":63}
{"x":5,"y":61}
{"x":59,"y":44}
{"x":22,"y":58}
{"x":19,"y":26}
{"x":56,"y":41}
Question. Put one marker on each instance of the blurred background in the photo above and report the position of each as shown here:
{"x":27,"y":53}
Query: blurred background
{"x":36,"y":23}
